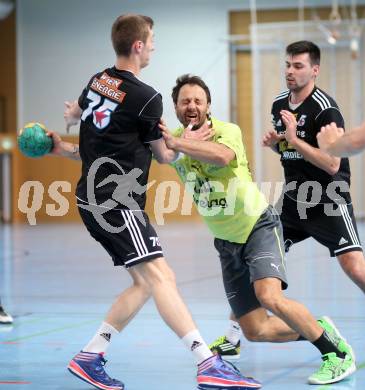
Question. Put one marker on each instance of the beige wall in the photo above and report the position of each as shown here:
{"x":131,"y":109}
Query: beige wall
{"x":8,"y":71}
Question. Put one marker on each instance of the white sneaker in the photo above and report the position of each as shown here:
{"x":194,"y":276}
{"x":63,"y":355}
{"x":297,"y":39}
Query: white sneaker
{"x":5,"y":318}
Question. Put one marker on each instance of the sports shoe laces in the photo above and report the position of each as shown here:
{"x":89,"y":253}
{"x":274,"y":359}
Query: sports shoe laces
{"x":100,"y":369}
{"x":234,"y":369}
{"x":328,"y":364}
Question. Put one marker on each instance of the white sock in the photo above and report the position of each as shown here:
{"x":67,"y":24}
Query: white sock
{"x":234,"y":332}
{"x":195,"y":343}
{"x":101,"y":340}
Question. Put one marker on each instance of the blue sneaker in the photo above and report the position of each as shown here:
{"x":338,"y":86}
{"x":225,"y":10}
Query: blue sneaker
{"x":215,"y":374}
{"x":90,"y":368}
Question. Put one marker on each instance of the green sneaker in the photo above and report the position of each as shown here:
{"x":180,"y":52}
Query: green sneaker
{"x":332,"y":370}
{"x":226,"y":349}
{"x":335,"y":336}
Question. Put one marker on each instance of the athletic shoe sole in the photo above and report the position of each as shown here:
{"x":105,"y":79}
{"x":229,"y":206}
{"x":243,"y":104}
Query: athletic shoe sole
{"x":76,"y":370}
{"x":347,"y":373}
{"x":212,"y":383}
{"x":215,"y":387}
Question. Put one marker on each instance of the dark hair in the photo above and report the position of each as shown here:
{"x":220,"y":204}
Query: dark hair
{"x":128,"y":29}
{"x":301,"y":47}
{"x":192,"y":80}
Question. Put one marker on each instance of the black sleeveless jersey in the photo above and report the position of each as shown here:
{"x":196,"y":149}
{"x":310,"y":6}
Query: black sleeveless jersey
{"x":120,"y":116}
{"x":317,"y":110}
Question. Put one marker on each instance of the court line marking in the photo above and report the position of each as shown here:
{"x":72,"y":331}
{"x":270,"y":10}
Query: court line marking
{"x":15,"y":383}
{"x":288,"y":371}
{"x":56,"y":330}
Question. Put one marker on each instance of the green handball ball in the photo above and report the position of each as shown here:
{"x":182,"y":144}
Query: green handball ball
{"x":33,"y":140}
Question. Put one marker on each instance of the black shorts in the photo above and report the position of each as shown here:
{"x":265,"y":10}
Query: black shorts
{"x":333,"y":226}
{"x":134,"y":240}
{"x":262,"y":256}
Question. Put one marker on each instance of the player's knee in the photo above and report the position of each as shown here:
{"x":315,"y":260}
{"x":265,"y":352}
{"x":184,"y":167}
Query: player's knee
{"x":254,"y":335}
{"x":165,"y":275}
{"x":140,"y":283}
{"x":157,"y":274}
{"x":143,"y":286}
{"x":269,"y":300}
{"x":354,"y":270}
{"x":357,"y":274}
{"x":354,"y":265}
{"x":170,"y":275}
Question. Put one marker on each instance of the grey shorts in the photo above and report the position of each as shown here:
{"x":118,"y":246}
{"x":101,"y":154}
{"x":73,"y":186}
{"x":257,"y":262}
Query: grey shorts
{"x":262,"y":256}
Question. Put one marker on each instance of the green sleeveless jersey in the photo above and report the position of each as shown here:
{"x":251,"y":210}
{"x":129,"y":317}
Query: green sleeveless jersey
{"x":226,"y":197}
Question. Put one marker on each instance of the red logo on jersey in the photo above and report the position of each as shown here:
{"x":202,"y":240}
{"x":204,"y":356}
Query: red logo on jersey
{"x":102,"y":117}
{"x":99,"y":116}
{"x":109,"y":87}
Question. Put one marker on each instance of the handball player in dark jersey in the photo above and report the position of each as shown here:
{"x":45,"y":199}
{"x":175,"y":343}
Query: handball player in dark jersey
{"x":119,"y":132}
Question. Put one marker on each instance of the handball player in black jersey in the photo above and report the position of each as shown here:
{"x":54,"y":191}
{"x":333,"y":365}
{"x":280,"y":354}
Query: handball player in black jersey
{"x":119,"y":133}
{"x":316,"y":200}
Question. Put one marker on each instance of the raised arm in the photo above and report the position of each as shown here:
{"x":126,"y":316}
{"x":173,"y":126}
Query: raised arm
{"x":334,"y":141}
{"x":271,"y":140}
{"x":205,"y":151}
{"x":72,"y":114}
{"x":162,"y":153}
{"x":315,"y":156}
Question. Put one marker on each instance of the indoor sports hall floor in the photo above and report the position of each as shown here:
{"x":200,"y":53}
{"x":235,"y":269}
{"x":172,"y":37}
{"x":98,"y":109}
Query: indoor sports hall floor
{"x":58,"y":283}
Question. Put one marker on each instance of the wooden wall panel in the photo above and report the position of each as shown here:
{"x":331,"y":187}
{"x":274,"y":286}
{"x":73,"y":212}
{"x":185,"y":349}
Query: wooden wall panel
{"x":45,"y":170}
{"x":8,"y":71}
{"x":49,"y":169}
{"x":244,"y":101}
{"x":156,"y":204}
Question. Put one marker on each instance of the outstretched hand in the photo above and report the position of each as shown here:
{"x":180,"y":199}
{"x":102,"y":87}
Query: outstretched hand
{"x":204,"y":133}
{"x":271,"y":138}
{"x":328,"y":135}
{"x":71,"y":114}
{"x":168,"y":137}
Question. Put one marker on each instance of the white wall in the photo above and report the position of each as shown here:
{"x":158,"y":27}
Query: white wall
{"x":62,"y":43}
